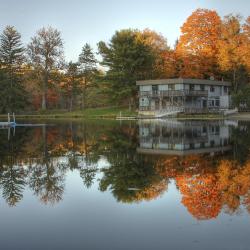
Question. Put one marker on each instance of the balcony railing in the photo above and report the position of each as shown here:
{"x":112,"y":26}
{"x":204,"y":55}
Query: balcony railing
{"x":168,"y":93}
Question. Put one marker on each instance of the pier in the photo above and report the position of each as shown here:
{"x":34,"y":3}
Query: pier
{"x":9,"y":123}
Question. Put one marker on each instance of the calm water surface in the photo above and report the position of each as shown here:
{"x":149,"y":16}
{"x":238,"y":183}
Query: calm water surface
{"x":126,"y":185}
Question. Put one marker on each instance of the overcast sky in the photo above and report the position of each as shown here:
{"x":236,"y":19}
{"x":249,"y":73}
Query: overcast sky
{"x":82,"y":21}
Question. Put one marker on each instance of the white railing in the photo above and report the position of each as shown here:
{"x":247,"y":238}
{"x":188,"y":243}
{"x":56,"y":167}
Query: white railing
{"x":169,"y":111}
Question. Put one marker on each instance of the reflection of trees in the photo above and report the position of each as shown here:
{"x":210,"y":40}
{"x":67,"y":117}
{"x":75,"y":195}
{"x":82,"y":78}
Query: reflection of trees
{"x":201,"y":195}
{"x":12,"y":174}
{"x":207,"y":183}
{"x":234,"y":183}
{"x":46,"y":178}
{"x":130,"y":177}
{"x":47,"y":181}
{"x":241,"y":141}
{"x":12,"y":180}
{"x":88,"y":175}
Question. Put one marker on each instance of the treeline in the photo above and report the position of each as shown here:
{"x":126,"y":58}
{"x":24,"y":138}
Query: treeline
{"x":37,"y":77}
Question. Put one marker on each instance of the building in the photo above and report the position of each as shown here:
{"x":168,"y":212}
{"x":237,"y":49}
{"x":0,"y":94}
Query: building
{"x":172,"y":137}
{"x":166,"y":96}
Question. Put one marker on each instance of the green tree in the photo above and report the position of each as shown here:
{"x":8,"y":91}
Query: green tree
{"x":72,"y":83}
{"x":87,"y":64}
{"x":127,"y":58}
{"x":46,"y":53}
{"x":12,"y":93}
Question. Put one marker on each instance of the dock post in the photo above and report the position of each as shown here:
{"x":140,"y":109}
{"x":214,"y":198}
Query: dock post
{"x":8,"y":118}
{"x":14,"y":118}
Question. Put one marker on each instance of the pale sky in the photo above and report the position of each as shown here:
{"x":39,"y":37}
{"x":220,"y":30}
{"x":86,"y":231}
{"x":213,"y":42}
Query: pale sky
{"x":91,"y":21}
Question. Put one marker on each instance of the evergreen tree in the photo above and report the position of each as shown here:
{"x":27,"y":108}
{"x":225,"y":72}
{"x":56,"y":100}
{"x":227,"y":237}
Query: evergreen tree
{"x":87,"y":63}
{"x":128,"y":58}
{"x":12,"y":93}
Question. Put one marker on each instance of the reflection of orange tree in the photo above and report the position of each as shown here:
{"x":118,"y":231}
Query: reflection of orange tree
{"x":172,"y":166}
{"x":234,"y":183}
{"x":200,"y":194}
{"x":152,"y":191}
{"x":208,"y":185}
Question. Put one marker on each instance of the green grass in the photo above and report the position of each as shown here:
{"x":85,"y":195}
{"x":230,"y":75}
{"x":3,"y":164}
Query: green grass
{"x":110,"y":112}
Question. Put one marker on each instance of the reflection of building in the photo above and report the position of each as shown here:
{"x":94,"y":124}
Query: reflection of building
{"x":183,"y":137}
{"x":157,"y":97}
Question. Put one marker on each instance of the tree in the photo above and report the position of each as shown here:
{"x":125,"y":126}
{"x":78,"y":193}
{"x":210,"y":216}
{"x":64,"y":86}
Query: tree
{"x":128,"y":59}
{"x":198,"y":44}
{"x":231,"y":49}
{"x":13,"y":95}
{"x":87,"y":63}
{"x":163,"y":66}
{"x":46,"y":53}
{"x":246,"y":33}
{"x":71,"y":83}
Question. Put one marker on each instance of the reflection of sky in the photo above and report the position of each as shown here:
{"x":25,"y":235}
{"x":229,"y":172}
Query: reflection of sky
{"x":90,"y":219}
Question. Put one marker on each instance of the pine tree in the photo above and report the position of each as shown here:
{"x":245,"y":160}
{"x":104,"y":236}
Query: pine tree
{"x":13,"y":95}
{"x":87,"y":63}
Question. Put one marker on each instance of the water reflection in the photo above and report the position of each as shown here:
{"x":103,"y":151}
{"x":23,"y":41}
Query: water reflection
{"x":184,"y":137}
{"x":208,"y":162}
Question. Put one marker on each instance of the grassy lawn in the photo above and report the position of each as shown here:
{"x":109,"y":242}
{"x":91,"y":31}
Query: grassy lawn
{"x":110,"y":112}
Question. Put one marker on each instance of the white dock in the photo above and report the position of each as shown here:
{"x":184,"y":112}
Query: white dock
{"x":8,"y":123}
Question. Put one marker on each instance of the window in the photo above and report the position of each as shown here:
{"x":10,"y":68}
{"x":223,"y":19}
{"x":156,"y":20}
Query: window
{"x":171,"y":86}
{"x":211,"y":88}
{"x":217,"y":103}
{"x":204,"y":129}
{"x":155,"y":87}
{"x":225,"y":89}
{"x":202,"y":87}
{"x":191,"y":87}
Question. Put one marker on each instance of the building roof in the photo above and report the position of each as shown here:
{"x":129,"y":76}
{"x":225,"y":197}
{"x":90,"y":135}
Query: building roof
{"x":183,"y":80}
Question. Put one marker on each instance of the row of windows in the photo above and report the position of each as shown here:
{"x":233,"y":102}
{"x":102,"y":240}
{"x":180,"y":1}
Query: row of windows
{"x":191,"y":87}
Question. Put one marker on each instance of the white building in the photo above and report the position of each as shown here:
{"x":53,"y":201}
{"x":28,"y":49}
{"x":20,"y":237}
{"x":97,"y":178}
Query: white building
{"x":183,"y":95}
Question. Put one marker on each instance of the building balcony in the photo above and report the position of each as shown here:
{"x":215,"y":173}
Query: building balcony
{"x":170,"y":93}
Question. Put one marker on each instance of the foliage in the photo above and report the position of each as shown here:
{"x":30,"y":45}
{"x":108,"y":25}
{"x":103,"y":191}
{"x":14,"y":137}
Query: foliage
{"x":128,"y":58}
{"x":12,"y":93}
{"x":197,"y":46}
{"x":45,"y":53}
{"x":231,"y":49}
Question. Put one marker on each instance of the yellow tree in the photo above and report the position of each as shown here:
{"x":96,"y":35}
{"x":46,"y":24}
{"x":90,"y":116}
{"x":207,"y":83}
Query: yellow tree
{"x":231,"y":51}
{"x":197,"y":45}
{"x":163,"y":66}
{"x":246,"y":32}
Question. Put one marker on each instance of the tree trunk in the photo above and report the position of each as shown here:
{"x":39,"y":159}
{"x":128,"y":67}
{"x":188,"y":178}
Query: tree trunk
{"x":84,"y":97}
{"x":45,"y":89}
{"x":234,"y":81}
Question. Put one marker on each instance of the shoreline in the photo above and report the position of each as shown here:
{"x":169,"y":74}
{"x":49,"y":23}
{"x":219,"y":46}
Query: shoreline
{"x":239,"y":116}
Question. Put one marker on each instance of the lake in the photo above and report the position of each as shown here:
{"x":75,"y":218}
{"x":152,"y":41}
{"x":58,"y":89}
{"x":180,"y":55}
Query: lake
{"x":125,"y":185}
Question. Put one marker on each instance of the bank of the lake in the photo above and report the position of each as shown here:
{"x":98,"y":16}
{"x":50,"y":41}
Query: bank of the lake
{"x":115,"y":112}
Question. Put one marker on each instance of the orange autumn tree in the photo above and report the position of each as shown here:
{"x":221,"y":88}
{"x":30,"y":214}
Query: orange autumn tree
{"x":163,"y":66}
{"x":232,"y":49}
{"x":197,"y":46}
{"x":246,"y":32}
